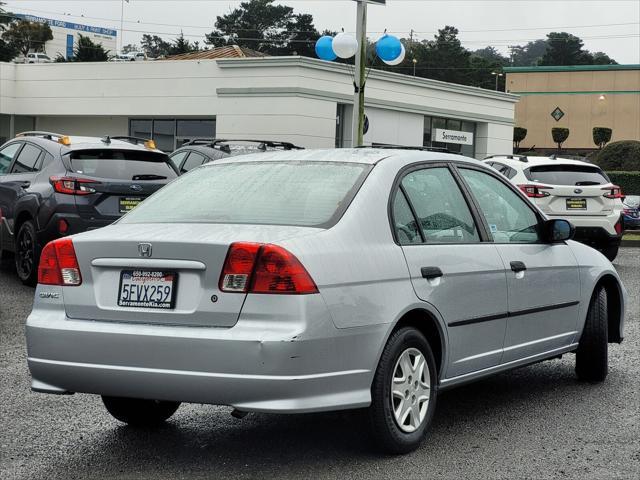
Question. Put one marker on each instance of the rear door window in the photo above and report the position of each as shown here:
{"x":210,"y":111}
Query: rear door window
{"x":122,"y":164}
{"x":313,"y":194}
{"x":194,"y":160}
{"x":27,"y":161}
{"x":567,"y":175}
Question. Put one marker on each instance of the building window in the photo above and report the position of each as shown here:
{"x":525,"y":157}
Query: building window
{"x":171,"y":133}
{"x":435,"y":125}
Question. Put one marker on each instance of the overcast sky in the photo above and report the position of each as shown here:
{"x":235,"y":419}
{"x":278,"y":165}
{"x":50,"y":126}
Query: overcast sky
{"x":611,"y":26}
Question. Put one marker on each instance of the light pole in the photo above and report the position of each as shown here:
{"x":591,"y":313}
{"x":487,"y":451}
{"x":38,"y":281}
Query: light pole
{"x":414,"y":66}
{"x":122,"y":23}
{"x":497,"y":75}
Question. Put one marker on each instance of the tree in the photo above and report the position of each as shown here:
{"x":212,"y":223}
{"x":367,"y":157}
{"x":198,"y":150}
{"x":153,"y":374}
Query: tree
{"x":26,"y":36}
{"x":262,"y":26}
{"x":519,"y":134}
{"x":601,"y":58}
{"x":559,"y":135}
{"x":601,"y":136}
{"x":181,"y":45}
{"x":129,"y":48}
{"x":565,"y":49}
{"x":529,"y":54}
{"x":88,"y":51}
{"x":154,"y":46}
{"x":7,"y":51}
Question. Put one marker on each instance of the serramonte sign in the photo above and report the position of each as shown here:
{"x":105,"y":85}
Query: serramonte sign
{"x":453,"y":136}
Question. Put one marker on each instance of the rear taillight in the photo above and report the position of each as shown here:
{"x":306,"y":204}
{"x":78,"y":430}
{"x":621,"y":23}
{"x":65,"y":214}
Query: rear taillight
{"x":534,"y":191}
{"x":613,"y":191}
{"x":72,"y":186}
{"x":260,"y":268}
{"x":619,"y":226}
{"x":59,"y":264}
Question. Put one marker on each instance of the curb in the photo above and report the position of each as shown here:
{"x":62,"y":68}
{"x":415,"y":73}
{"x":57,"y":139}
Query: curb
{"x":630,"y":243}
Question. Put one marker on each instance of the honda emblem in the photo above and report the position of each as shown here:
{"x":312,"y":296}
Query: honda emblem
{"x":144,"y":249}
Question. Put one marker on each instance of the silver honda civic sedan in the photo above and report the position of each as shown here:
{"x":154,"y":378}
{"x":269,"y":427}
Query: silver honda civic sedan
{"x":319,"y":280}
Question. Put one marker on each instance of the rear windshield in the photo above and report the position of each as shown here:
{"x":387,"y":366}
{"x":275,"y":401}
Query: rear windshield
{"x":567,"y":175}
{"x":122,"y":164}
{"x":266,"y":193}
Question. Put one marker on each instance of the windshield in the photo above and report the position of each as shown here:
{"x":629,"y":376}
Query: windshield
{"x":266,"y":193}
{"x":567,"y":175}
{"x":132,"y":165}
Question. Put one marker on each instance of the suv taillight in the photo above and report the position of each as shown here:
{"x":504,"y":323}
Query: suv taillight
{"x":59,"y":264}
{"x":264,"y":268}
{"x":534,"y":191}
{"x":613,"y":191}
{"x":72,"y":186}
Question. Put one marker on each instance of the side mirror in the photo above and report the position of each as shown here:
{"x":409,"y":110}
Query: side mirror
{"x":559,"y":230}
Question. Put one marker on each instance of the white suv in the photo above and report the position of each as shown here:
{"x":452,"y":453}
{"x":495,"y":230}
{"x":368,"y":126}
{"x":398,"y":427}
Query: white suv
{"x":571,"y":189}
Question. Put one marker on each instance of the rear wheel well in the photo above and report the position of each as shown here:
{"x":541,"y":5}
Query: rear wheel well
{"x":425,"y":323}
{"x":614,"y":304}
{"x":20,"y":219}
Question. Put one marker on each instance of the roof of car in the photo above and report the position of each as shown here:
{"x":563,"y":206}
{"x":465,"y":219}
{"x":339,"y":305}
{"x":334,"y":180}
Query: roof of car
{"x":347,"y":155}
{"x":83,"y":143}
{"x":535,"y":161}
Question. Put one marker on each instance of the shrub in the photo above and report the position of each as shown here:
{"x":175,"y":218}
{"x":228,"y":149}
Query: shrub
{"x":621,"y":156}
{"x":601,"y":136}
{"x":559,"y":135}
{"x":628,"y":181}
{"x":519,"y":134}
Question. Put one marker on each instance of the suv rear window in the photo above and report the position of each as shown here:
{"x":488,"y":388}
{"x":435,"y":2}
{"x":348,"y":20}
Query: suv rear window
{"x":122,"y":164}
{"x":567,"y":175}
{"x":266,"y":193}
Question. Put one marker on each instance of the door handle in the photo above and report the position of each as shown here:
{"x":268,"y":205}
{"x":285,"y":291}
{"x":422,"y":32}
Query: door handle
{"x":518,"y":266}
{"x":431,"y":272}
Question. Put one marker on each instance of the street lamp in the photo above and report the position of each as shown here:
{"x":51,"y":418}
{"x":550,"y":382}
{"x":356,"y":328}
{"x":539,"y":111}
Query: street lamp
{"x":497,"y":75}
{"x":414,"y":66}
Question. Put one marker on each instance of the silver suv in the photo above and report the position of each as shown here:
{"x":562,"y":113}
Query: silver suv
{"x":571,"y":189}
{"x":307,"y":281}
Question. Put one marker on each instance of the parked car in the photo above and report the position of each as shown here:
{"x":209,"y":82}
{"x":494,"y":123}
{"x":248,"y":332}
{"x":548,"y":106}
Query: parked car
{"x":35,"y":57}
{"x":201,"y":150}
{"x":306,"y":281}
{"x":52,"y":185}
{"x":631,"y":211}
{"x":575,"y":190}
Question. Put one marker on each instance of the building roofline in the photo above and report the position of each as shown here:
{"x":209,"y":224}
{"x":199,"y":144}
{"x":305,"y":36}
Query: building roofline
{"x":570,"y":68}
{"x":299,"y":61}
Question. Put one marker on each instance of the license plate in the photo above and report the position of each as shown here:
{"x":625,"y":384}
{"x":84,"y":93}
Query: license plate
{"x":576,"y":203}
{"x":147,"y":289}
{"x":129,"y":203}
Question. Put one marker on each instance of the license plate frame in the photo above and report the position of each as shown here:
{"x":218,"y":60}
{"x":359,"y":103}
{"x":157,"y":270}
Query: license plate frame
{"x":152,"y":278}
{"x":576,"y":203}
{"x":126,"y":204}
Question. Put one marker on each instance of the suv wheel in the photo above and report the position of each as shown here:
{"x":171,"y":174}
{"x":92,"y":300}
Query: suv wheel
{"x":27,"y":254}
{"x":591,"y":357}
{"x":139,"y":412}
{"x":610,"y":252}
{"x":403,"y":393}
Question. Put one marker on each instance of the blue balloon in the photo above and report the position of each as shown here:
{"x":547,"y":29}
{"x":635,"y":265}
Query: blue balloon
{"x":324,"y":48}
{"x":388,"y":48}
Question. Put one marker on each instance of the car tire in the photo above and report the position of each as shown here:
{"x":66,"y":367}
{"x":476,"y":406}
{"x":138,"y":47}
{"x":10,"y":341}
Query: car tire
{"x":390,"y":433}
{"x":610,"y":252}
{"x":592,"y":362}
{"x":140,"y":412}
{"x":27,"y":254}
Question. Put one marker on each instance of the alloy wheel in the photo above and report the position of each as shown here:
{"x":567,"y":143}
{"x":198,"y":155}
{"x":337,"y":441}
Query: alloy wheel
{"x":410,"y":390}
{"x":25,"y":253}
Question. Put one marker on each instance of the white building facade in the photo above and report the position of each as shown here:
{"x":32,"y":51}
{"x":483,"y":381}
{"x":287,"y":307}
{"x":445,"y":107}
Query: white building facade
{"x":297,"y":99}
{"x":66,"y":35}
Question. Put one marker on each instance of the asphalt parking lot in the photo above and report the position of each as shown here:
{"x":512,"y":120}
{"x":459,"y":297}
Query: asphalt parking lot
{"x":536,"y":422}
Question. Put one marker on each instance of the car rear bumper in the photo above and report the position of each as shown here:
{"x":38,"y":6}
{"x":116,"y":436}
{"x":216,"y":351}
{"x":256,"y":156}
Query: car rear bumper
{"x":275,"y":365}
{"x":596,"y":237}
{"x":631,"y":222}
{"x":74,"y":224}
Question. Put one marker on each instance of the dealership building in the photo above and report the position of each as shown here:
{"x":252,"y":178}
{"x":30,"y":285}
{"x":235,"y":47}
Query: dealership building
{"x":302,"y":100}
{"x":579,"y":98}
{"x":66,"y":35}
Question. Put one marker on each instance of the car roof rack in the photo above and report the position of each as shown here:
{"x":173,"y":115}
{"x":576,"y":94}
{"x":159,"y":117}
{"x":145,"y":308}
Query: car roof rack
{"x":407,"y":147}
{"x":220,"y":143}
{"x":520,"y":158}
{"x":55,"y":137}
{"x":125,"y":138}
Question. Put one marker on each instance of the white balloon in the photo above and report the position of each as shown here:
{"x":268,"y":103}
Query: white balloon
{"x":345,"y":45}
{"x":398,"y":60}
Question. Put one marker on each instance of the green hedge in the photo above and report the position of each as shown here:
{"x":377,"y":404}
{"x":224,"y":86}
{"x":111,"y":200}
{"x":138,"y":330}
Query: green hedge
{"x":619,"y":156}
{"x":628,"y":181}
